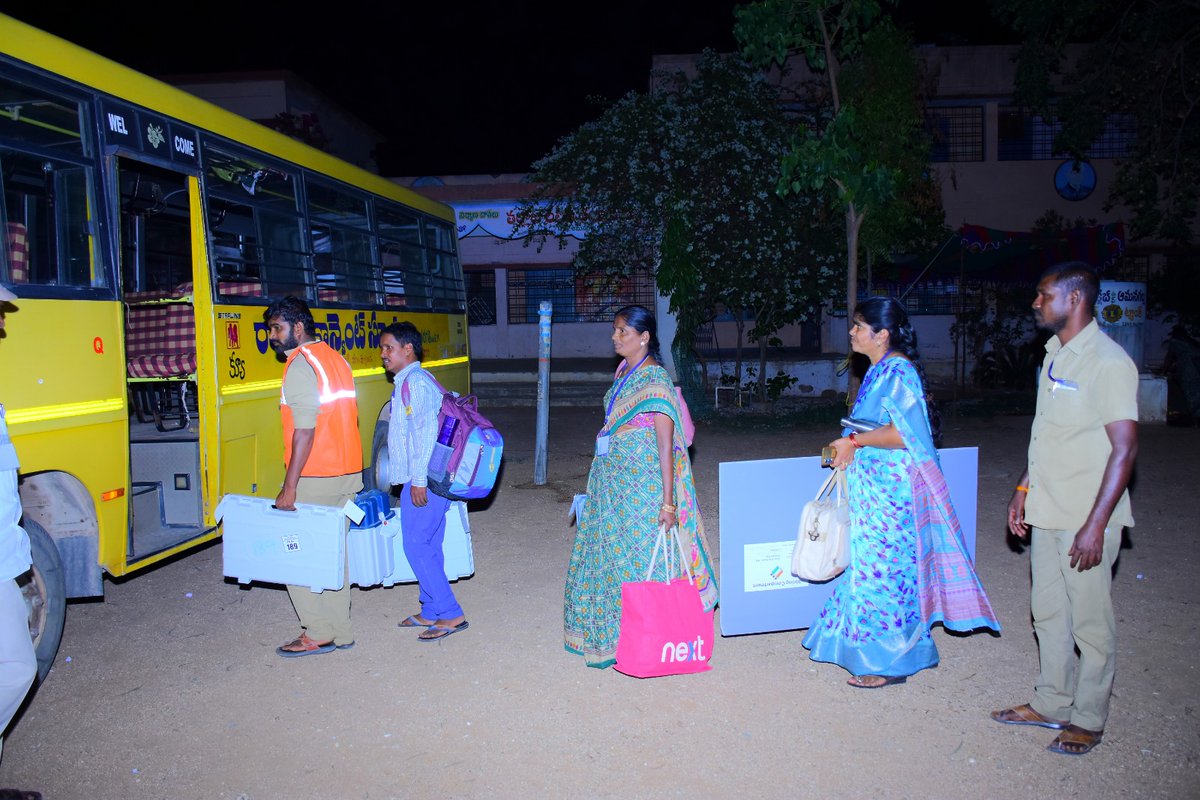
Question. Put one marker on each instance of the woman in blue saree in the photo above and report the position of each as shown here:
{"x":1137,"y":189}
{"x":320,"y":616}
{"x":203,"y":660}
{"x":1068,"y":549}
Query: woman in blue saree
{"x":909,"y":566}
{"x":641,"y":479}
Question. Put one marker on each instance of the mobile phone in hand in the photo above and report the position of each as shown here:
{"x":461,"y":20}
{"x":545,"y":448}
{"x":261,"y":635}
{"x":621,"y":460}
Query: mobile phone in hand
{"x":827,"y":456}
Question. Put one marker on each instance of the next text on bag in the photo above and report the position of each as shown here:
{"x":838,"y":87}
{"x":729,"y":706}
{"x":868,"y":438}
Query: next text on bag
{"x":683,"y":651}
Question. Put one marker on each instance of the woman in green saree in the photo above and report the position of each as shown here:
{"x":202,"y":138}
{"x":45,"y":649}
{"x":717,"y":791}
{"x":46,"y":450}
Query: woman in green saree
{"x":640,"y":480}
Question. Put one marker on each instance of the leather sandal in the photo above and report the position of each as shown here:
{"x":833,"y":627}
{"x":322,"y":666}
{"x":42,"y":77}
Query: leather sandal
{"x":876,"y":681}
{"x":1025,"y":715}
{"x":304,"y":646}
{"x":1075,"y":741}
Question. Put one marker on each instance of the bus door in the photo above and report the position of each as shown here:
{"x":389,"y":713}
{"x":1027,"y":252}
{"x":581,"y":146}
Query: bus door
{"x":156,"y":272}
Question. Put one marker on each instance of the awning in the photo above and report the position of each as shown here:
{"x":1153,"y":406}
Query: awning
{"x":990,"y":254}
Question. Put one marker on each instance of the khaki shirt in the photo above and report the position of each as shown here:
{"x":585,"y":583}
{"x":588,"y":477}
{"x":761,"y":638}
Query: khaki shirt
{"x":1069,"y":448}
{"x":302,"y":393}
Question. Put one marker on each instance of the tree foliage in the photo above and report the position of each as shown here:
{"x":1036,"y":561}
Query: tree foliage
{"x":864,"y":142}
{"x":681,"y":181}
{"x":305,"y":127}
{"x":1142,"y":62}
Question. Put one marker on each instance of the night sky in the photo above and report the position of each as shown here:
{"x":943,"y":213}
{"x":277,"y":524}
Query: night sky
{"x":457,"y":87}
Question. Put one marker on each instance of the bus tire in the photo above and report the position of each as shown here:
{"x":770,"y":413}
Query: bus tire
{"x":45,"y":591}
{"x":377,"y":476}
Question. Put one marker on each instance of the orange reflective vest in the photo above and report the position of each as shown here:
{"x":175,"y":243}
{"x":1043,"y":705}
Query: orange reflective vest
{"x":337,"y":448}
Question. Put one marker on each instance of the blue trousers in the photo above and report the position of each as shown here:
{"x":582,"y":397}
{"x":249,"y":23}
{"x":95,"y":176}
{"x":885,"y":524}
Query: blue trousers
{"x":423,"y":531}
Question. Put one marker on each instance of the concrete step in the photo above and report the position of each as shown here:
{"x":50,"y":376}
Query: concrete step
{"x":514,"y":382}
{"x":518,"y":394}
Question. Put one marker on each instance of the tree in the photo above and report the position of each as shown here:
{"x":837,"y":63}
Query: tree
{"x":305,"y":127}
{"x":866,"y":139}
{"x":681,"y":181}
{"x":1140,"y":69}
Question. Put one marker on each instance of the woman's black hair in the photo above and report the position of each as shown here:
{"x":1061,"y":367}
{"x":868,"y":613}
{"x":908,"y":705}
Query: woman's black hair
{"x":642,"y":320}
{"x":888,"y":313}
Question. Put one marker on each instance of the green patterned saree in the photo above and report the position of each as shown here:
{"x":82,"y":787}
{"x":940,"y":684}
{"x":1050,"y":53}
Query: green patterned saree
{"x":618,"y":525}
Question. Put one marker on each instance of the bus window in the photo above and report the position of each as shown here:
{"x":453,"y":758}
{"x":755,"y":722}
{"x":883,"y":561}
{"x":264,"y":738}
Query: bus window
{"x":257,"y":229}
{"x":444,"y":267}
{"x":32,"y":118}
{"x":48,"y":228}
{"x":47,"y":190}
{"x":341,"y":236}
{"x":156,"y":254}
{"x":405,"y":277}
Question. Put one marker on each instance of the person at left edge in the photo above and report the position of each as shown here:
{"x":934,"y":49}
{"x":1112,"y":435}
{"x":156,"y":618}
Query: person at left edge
{"x":412,"y":431}
{"x":18,"y":663}
{"x":322,"y":456}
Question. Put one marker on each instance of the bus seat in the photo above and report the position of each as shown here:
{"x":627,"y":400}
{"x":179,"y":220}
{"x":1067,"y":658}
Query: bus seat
{"x":239,"y":288}
{"x":160,"y":338}
{"x":17,"y":240}
{"x":331,"y":294}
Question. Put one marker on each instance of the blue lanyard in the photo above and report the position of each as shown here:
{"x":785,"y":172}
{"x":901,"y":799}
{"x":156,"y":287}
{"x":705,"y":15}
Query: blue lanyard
{"x":1059,"y":383}
{"x":612,"y":400}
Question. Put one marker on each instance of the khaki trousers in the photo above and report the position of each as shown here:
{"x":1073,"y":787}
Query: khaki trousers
{"x":1073,"y":609}
{"x":326,"y":615}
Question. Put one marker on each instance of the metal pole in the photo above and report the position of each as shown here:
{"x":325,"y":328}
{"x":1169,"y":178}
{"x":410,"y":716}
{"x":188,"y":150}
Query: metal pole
{"x":543,"y":393}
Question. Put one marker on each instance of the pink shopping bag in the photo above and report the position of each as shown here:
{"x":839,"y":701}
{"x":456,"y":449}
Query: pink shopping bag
{"x":664,"y":627}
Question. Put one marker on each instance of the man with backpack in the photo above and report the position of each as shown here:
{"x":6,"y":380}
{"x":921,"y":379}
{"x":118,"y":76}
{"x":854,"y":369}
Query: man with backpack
{"x":412,"y":434}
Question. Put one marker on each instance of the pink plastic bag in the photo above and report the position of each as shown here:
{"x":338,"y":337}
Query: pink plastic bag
{"x":664,"y":627}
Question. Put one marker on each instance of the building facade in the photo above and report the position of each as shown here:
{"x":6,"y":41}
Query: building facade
{"x":263,"y":96}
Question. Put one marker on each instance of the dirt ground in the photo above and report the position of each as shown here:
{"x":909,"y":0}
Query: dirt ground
{"x":170,"y":687}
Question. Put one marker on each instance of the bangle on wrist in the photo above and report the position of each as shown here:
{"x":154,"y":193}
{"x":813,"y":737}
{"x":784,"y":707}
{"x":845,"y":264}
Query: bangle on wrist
{"x":853,"y":437}
{"x":668,"y":507}
{"x":1023,"y":489}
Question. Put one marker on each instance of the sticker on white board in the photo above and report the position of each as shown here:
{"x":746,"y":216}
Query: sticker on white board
{"x":768,"y":566}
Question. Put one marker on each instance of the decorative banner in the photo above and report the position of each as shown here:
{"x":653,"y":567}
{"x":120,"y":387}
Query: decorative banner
{"x":490,"y":219}
{"x":760,"y":505}
{"x":1121,"y":303}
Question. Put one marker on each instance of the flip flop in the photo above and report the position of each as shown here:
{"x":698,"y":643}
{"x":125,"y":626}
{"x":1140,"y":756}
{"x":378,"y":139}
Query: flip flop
{"x":443,"y":632}
{"x":1025,"y":715}
{"x":304,"y":646}
{"x":412,"y":622}
{"x":888,"y":680}
{"x":1074,"y":736}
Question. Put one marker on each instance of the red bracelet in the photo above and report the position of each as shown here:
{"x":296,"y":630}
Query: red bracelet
{"x":854,"y":439}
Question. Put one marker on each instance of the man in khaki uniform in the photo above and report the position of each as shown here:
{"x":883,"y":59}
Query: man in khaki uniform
{"x":1073,"y":496}
{"x":322,"y":455}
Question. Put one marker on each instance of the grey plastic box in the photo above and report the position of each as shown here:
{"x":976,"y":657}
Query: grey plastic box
{"x":457,"y":548}
{"x":304,"y":547}
{"x":371,"y":551}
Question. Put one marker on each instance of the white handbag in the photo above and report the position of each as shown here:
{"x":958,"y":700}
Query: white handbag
{"x":822,"y":549}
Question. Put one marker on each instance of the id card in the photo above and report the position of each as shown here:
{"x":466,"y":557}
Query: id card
{"x":602,"y":444}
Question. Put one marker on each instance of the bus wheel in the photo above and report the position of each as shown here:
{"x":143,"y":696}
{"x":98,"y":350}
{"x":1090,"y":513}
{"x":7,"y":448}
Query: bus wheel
{"x":378,"y":476}
{"x":45,"y":591}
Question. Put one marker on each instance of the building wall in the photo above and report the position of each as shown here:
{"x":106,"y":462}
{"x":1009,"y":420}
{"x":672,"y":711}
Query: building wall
{"x":1007,"y":195}
{"x":263,"y":96}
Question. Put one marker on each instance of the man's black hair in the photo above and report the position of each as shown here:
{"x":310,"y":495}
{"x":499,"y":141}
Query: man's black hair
{"x":406,"y":333}
{"x":291,"y":310}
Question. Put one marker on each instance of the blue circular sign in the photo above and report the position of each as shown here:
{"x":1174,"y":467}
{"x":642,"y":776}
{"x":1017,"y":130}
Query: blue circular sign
{"x":1074,"y":180}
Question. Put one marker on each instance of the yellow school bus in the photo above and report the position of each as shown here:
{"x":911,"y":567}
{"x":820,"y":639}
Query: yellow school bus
{"x":145,"y":232}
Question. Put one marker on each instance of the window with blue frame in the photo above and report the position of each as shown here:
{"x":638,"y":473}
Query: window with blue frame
{"x":575,"y":298}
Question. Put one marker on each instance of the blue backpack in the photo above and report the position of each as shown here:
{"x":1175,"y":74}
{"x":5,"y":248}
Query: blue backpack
{"x":466,"y":456}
